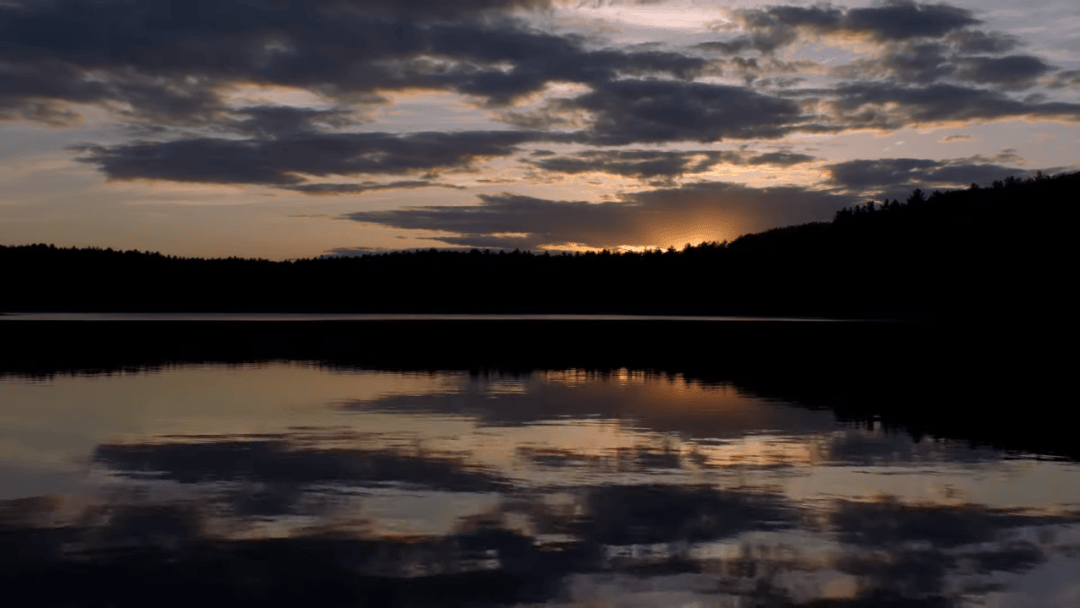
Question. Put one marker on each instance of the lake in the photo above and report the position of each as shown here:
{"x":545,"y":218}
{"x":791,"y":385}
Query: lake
{"x":499,"y":477}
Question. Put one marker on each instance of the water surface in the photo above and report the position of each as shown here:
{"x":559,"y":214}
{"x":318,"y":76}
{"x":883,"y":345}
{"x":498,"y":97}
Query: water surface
{"x":286,"y":482}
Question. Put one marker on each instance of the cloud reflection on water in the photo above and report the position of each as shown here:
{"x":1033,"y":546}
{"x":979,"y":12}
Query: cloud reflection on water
{"x":548,"y":487}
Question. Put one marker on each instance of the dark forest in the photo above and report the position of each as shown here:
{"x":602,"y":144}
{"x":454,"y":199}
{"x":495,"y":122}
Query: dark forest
{"x":945,"y":255}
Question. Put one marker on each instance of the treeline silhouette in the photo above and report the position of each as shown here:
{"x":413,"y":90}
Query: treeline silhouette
{"x":979,"y":383}
{"x":944,"y":255}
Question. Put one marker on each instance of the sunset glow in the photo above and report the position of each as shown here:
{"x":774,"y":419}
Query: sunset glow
{"x":531,"y":125}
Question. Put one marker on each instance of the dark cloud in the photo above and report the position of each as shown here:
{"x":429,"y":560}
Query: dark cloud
{"x":280,"y":121}
{"x":976,"y":41}
{"x":899,"y":20}
{"x":219,"y":161}
{"x":285,"y":143}
{"x":897,"y":176}
{"x":1069,"y":78}
{"x":538,"y":59}
{"x":31,"y":93}
{"x":171,"y":61}
{"x":784,"y":159}
{"x":966,"y":174}
{"x":480,"y":241}
{"x":43,"y":88}
{"x":656,"y":163}
{"x":281,"y":462}
{"x":923,"y":62}
{"x":626,"y":515}
{"x":886,"y":105}
{"x":610,"y":537}
{"x":446,"y":10}
{"x":334,"y":189}
{"x":638,"y":163}
{"x":1014,"y":71}
{"x":915,"y":549}
{"x":890,"y":523}
{"x":921,"y":43}
{"x":627,"y":111}
{"x":860,"y":174}
{"x":46,"y":112}
{"x":176,"y":553}
{"x":172,"y":64}
{"x":351,"y":252}
{"x":903,"y":19}
{"x":282,"y":161}
{"x":640,"y":218}
{"x":927,"y":62}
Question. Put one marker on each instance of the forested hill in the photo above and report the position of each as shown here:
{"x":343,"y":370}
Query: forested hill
{"x":966,"y":253}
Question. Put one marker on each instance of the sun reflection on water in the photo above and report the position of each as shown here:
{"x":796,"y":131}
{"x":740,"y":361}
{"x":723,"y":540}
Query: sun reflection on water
{"x":622,"y":486}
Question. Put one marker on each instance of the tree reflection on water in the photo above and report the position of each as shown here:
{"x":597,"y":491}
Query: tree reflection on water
{"x":283,"y":483}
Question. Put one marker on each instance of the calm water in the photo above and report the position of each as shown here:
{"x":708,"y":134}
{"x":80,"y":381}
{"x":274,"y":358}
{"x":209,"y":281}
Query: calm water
{"x":285,"y":483}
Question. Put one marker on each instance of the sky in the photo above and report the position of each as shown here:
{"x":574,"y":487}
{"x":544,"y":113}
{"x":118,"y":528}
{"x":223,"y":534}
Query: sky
{"x":286,"y":129}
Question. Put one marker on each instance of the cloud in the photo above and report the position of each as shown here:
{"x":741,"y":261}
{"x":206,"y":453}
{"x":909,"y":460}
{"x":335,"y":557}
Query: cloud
{"x":167,"y":64}
{"x":280,"y":462}
{"x":544,"y":400}
{"x":886,"y":105}
{"x":784,"y":159}
{"x":282,"y":144}
{"x":283,"y":160}
{"x":775,"y":27}
{"x":335,"y":189}
{"x":903,"y":19}
{"x":889,"y":523}
{"x":43,"y":88}
{"x":656,"y":163}
{"x":919,"y":549}
{"x":976,"y":41}
{"x":505,"y":242}
{"x":921,"y":43}
{"x":173,"y":71}
{"x":173,"y":62}
{"x":1014,"y":71}
{"x":897,"y":176}
{"x":642,"y":514}
{"x":538,"y":59}
{"x":28,"y":93}
{"x":448,"y":10}
{"x":273,"y":121}
{"x":628,"y":111}
{"x":1066,"y":79}
{"x":350,"y":252}
{"x":925,"y":62}
{"x":711,"y":210}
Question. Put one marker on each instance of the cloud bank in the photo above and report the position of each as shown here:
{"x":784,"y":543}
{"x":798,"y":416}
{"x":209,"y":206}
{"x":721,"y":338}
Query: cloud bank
{"x":676,"y":116}
{"x":642,"y":218}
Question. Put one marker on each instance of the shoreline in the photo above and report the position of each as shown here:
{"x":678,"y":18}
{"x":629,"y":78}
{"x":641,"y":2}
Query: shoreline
{"x":927,"y":379}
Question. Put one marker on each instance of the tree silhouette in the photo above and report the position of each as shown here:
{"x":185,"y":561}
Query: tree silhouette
{"x":951,"y":254}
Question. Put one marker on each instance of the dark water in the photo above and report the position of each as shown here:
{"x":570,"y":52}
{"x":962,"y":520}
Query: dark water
{"x":287,"y":483}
